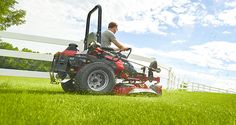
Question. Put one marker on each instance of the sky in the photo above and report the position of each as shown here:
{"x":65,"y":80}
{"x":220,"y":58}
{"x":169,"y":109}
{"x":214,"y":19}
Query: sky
{"x":194,"y":37}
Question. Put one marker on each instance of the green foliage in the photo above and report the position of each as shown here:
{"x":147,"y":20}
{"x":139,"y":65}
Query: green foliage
{"x":8,"y":46}
{"x":26,"y":50}
{"x":184,"y":85}
{"x":22,"y":64}
{"x":35,"y":101}
{"x":9,"y":15}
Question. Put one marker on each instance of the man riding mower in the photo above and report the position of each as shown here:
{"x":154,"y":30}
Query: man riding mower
{"x":96,"y":69}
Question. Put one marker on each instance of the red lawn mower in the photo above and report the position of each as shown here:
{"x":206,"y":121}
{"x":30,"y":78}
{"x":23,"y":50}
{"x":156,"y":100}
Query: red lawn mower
{"x":96,"y":69}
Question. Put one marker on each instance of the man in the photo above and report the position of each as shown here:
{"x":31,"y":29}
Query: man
{"x":108,"y":37}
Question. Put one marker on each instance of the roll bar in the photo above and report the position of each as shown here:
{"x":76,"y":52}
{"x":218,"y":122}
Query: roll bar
{"x":99,"y":26}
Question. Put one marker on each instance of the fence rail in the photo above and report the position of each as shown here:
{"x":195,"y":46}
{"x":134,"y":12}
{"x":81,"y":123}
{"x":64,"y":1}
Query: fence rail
{"x":23,"y":73}
{"x":34,"y":38}
{"x":168,"y":77}
{"x":26,"y":55}
{"x":197,"y":87}
{"x":205,"y":88}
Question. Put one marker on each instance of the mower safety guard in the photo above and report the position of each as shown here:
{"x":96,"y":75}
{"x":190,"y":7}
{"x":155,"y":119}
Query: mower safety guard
{"x":99,"y":27}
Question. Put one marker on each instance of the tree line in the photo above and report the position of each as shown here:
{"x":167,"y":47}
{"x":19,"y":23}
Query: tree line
{"x":19,"y":63}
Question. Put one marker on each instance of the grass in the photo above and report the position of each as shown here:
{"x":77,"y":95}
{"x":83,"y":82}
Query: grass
{"x":36,"y":101}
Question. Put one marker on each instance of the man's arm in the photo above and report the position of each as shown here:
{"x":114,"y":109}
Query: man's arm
{"x":120,"y":46}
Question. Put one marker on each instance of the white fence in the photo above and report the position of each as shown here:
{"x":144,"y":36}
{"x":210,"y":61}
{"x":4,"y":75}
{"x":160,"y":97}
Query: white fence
{"x":197,"y":87}
{"x":168,"y":78}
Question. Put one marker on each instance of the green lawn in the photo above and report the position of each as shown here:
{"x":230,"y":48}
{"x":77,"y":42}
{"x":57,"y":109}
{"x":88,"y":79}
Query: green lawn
{"x":36,"y":101}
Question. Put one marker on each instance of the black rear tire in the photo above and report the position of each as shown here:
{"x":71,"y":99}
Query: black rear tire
{"x":95,"y":77}
{"x":68,"y":86}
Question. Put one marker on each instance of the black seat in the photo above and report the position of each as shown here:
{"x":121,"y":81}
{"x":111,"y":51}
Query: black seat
{"x":92,"y":37}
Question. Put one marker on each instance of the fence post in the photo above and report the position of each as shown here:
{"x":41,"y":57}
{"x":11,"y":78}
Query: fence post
{"x":178,"y":85}
{"x":169,"y":78}
{"x":174,"y":82}
{"x":198,"y":87}
{"x":192,"y":86}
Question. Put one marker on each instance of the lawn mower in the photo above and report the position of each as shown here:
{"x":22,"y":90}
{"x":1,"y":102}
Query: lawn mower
{"x":96,"y":69}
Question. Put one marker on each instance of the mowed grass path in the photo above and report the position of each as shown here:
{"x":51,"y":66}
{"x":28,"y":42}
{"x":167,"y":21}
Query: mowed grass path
{"x":36,"y":101}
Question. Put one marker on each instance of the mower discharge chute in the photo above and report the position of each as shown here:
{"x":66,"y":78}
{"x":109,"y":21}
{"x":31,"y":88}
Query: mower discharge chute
{"x":96,"y":69}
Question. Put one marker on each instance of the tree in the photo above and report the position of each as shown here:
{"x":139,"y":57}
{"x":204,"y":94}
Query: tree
{"x":19,"y":63}
{"x":184,"y":85}
{"x":26,"y":50}
{"x":8,"y":46}
{"x":9,"y":15}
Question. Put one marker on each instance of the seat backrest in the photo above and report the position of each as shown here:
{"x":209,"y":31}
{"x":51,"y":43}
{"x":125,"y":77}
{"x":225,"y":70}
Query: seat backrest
{"x":92,"y":37}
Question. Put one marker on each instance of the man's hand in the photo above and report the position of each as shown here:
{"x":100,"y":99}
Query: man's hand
{"x":120,"y":46}
{"x":124,"y":49}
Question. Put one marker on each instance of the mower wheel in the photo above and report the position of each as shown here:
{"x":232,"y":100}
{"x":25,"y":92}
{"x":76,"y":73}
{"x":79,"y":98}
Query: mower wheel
{"x":95,"y":77}
{"x":157,"y":89}
{"x":68,"y":86}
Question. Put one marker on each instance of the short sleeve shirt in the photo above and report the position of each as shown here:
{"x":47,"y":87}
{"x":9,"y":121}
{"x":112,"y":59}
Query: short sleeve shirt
{"x":107,"y":38}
